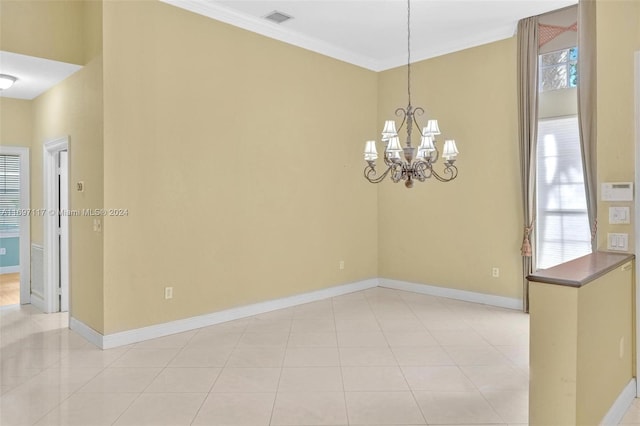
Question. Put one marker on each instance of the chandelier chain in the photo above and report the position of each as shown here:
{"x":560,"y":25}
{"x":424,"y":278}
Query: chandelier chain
{"x":409,"y":50}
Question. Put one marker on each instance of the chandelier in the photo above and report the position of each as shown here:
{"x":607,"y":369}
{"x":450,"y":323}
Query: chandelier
{"x":411,"y":165}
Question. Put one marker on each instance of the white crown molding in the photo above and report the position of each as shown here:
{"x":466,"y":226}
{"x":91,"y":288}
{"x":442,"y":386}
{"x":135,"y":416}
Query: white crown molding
{"x":283,"y":34}
{"x":271,"y":30}
{"x":455,"y":45}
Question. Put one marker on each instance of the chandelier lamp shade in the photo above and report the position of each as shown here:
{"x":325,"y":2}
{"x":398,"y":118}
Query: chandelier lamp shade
{"x":409,"y":163}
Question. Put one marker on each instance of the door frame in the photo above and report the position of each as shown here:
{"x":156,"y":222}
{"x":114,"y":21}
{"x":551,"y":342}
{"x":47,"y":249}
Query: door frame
{"x":25,"y":220}
{"x":51,"y":149}
{"x":637,"y":210}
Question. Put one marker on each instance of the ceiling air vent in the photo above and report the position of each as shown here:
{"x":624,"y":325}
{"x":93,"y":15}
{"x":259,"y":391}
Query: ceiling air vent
{"x":278,"y":17}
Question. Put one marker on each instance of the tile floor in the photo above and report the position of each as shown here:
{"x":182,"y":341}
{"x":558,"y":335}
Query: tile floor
{"x":376,"y":357}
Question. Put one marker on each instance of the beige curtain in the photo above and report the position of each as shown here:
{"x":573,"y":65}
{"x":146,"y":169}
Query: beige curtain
{"x":528,"y":133}
{"x":587,"y":107}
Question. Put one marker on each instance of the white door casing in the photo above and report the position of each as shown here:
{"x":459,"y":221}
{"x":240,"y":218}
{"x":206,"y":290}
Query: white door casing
{"x":52,"y":258}
{"x":637,"y":210}
{"x":64,"y":231}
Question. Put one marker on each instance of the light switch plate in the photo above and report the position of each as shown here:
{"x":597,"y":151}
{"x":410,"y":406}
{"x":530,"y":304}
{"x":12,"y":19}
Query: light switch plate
{"x":618,"y":242}
{"x":619,"y":215}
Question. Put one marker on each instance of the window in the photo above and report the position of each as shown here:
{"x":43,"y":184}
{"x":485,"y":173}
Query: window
{"x":559,"y":69}
{"x":562,"y":223}
{"x":9,"y":193}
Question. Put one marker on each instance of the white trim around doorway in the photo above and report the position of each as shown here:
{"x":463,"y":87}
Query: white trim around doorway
{"x":51,"y":251}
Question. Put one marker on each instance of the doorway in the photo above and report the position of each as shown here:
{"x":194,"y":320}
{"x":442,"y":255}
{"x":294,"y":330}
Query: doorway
{"x":56,"y":225}
{"x":15,"y":237}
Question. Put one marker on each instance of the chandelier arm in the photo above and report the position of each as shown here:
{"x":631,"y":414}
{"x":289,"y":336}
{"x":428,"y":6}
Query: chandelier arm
{"x":401,"y":112}
{"x":449,"y":169}
{"x":370,"y":174}
{"x":417,"y":112}
{"x":397,"y":172}
{"x":423,"y":171}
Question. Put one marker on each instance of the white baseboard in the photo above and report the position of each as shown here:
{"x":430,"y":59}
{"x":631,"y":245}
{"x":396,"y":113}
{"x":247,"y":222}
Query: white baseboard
{"x":621,"y":405}
{"x":87,"y":332}
{"x":9,"y":269}
{"x":159,"y":330}
{"x":451,"y":293}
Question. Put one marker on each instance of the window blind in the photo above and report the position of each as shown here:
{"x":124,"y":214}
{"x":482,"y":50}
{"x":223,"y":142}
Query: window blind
{"x":9,"y":193}
{"x":562,"y":224}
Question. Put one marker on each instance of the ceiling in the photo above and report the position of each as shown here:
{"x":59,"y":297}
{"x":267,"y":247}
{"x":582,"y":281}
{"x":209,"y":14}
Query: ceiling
{"x":35,"y":75}
{"x":372,"y":33}
{"x":368,"y":33}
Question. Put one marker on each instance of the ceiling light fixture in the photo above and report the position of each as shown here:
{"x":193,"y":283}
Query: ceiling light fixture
{"x":408,"y":169}
{"x":6,"y":81}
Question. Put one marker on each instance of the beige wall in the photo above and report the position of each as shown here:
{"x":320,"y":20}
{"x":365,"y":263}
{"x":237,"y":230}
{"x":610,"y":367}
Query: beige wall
{"x":278,"y":214}
{"x":574,"y":333}
{"x":239,"y":159}
{"x":452,"y":234}
{"x":15,"y":122}
{"x":51,"y":29}
{"x":617,"y":22}
{"x":73,"y":108}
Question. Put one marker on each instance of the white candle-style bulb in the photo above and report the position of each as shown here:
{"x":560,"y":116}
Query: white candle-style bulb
{"x":426,"y":143}
{"x":450,"y":151}
{"x":394,"y":145}
{"x":389,"y":131}
{"x":370,"y":153}
{"x":432,"y":128}
{"x":426,"y":148}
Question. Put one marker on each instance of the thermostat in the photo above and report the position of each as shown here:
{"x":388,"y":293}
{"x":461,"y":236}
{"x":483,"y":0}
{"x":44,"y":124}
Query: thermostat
{"x":617,"y":191}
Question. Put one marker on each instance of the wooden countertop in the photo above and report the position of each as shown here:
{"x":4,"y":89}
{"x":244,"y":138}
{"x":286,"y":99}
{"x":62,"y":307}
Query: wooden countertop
{"x":581,"y":271}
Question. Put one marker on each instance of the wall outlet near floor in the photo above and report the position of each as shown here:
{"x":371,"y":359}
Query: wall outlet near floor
{"x":341,"y":265}
{"x":168,"y":292}
{"x":3,"y":251}
{"x":495,"y":272}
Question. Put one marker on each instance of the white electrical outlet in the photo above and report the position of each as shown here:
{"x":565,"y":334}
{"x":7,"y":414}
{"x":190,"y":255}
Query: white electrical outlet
{"x":168,"y":292}
{"x":3,"y":251}
{"x":495,"y":272}
{"x":621,"y":347}
{"x":341,"y":265}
